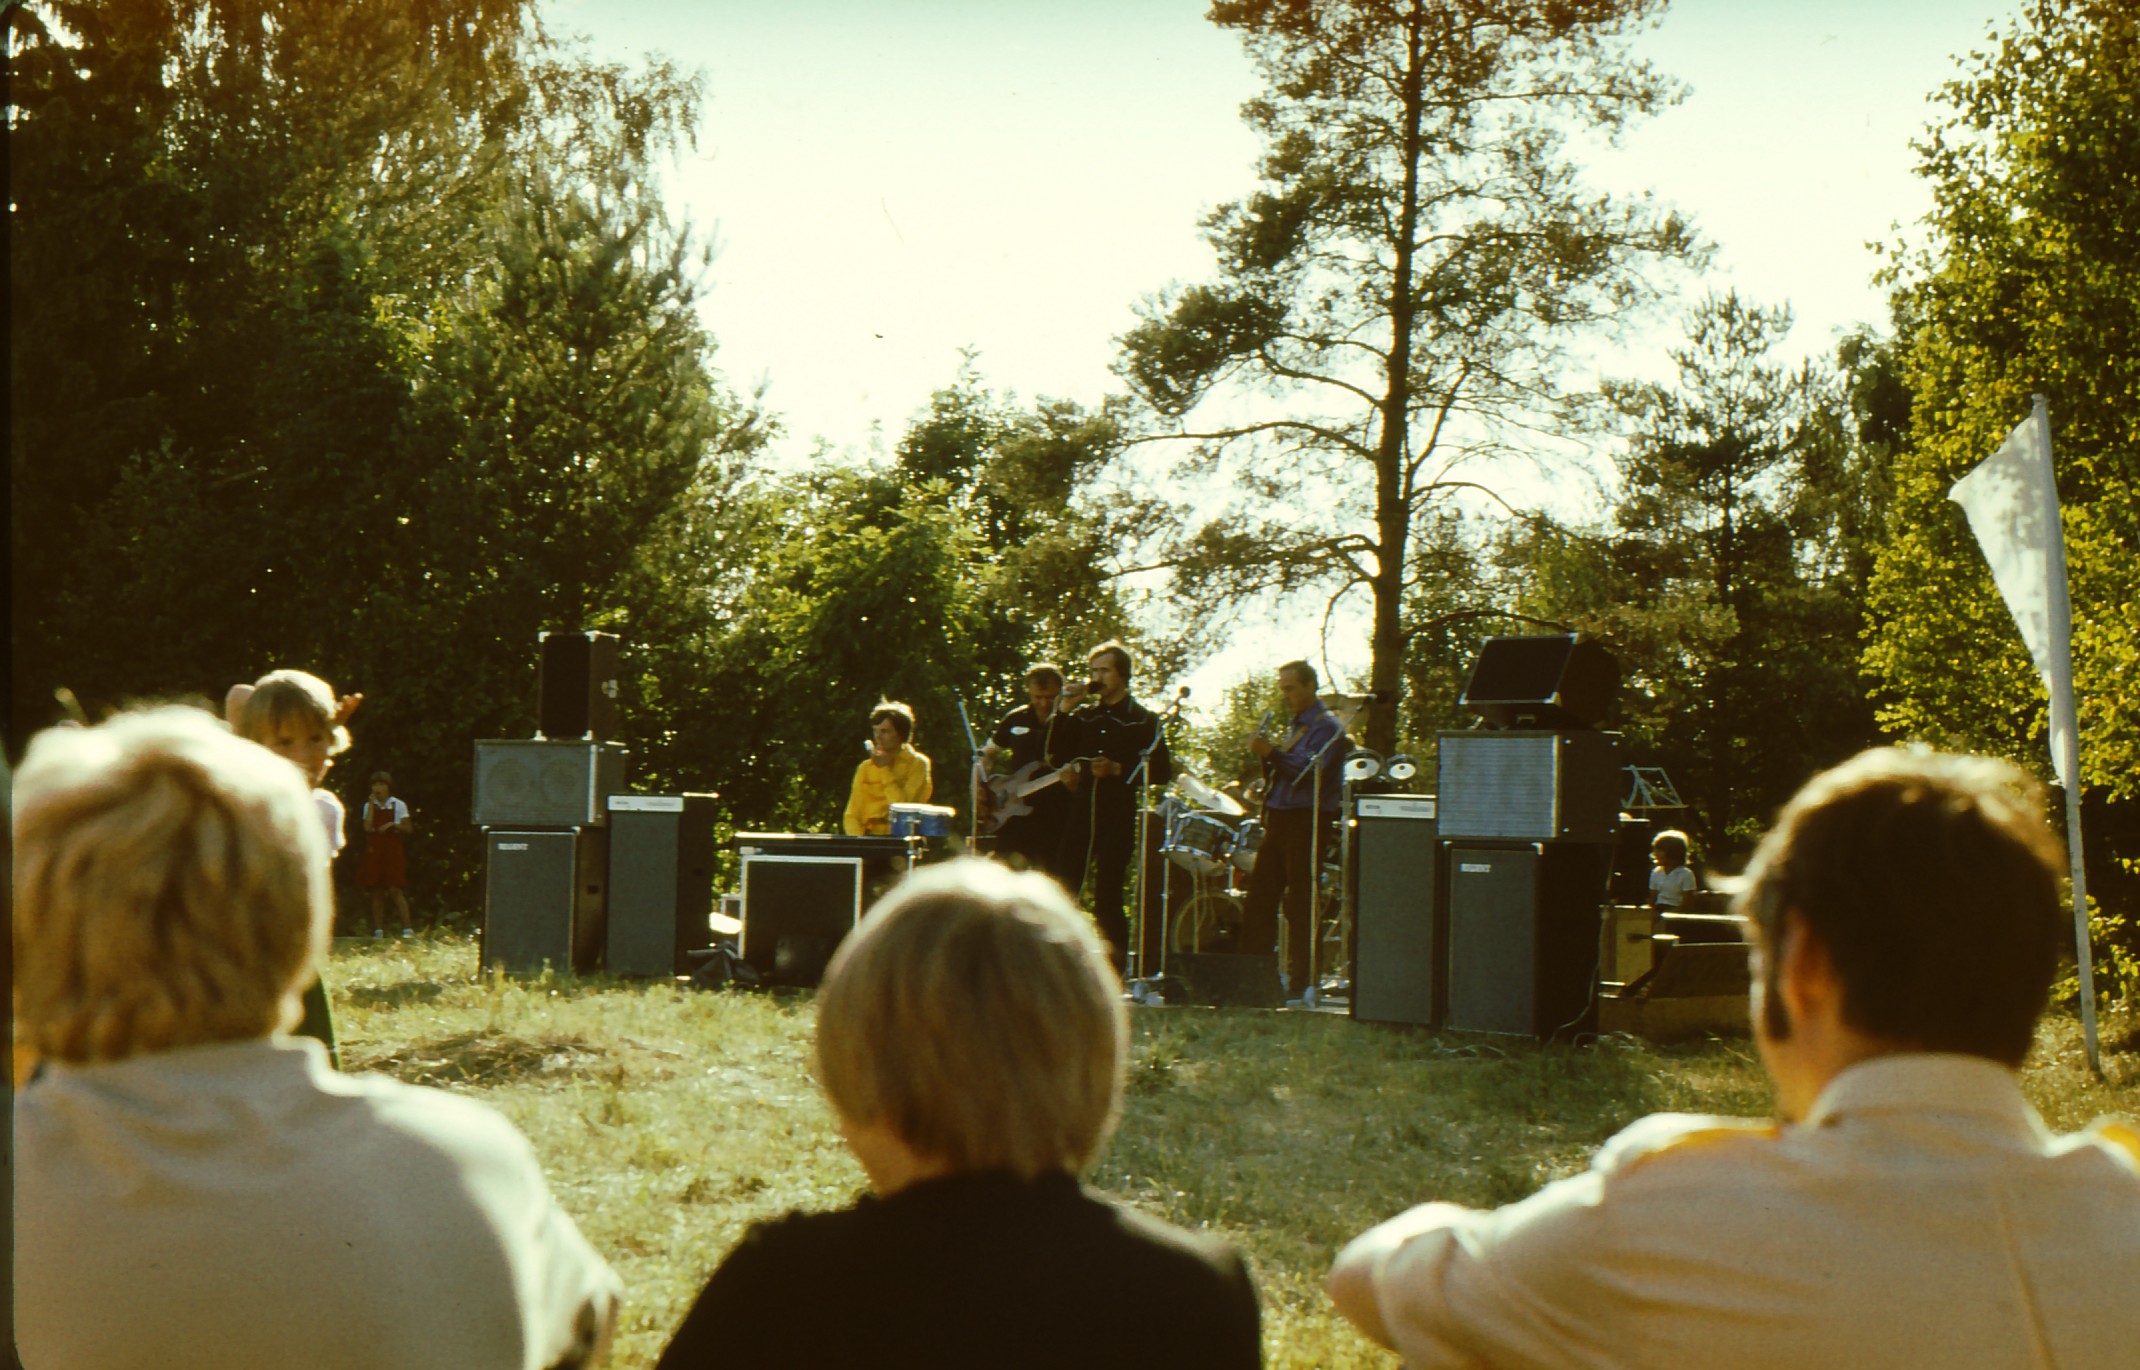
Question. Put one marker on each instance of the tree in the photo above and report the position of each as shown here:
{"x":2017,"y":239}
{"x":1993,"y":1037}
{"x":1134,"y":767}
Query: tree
{"x":1730,"y":578}
{"x":350,"y":336}
{"x":1392,"y":307}
{"x":2029,"y":282}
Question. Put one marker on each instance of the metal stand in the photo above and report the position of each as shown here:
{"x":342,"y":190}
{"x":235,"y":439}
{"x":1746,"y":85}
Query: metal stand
{"x":1133,"y":954}
{"x":1315,"y":871}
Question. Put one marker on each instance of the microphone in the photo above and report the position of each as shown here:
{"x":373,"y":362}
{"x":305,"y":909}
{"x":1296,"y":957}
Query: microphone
{"x":1183,"y":694}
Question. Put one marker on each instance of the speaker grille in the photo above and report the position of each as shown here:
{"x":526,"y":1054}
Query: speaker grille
{"x":1529,"y":786}
{"x":545,"y":784}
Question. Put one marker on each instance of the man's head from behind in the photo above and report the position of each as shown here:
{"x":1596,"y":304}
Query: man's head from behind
{"x":170,"y":887}
{"x":1929,"y":883}
{"x":973,"y":1013}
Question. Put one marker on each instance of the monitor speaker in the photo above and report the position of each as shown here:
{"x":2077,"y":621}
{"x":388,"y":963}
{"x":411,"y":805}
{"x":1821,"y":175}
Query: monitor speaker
{"x":1523,"y":938}
{"x":661,"y":853}
{"x":543,"y":899}
{"x":1529,"y":786}
{"x":1559,"y":681}
{"x":539,"y":784}
{"x":796,"y":911}
{"x":576,"y":698}
{"x":1400,"y":957}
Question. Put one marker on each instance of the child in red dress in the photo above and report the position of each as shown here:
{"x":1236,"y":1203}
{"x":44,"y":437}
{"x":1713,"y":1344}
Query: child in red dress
{"x":383,"y":873}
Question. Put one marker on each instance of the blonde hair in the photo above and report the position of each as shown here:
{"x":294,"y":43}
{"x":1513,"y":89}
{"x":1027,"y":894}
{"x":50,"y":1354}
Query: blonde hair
{"x":170,"y":888}
{"x":975,"y":1013}
{"x":290,"y":696}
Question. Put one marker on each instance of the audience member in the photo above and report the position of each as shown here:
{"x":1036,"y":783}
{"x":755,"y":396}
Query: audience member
{"x":296,"y":715}
{"x":194,"y":1187}
{"x":971,"y":1040}
{"x":383,"y":874}
{"x":1671,"y":879}
{"x":1909,"y":1210}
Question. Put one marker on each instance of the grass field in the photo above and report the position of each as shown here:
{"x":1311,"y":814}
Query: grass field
{"x":668,"y":1119}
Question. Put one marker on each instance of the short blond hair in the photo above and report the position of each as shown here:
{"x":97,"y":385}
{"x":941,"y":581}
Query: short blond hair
{"x":170,"y":888}
{"x":290,"y":696}
{"x":975,"y":1013}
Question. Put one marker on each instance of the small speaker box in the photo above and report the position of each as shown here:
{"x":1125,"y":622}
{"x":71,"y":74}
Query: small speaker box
{"x":576,"y":697}
{"x":538,"y":784}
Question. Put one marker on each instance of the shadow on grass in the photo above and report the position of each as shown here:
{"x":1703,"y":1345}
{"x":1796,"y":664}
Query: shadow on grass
{"x":484,"y":1059}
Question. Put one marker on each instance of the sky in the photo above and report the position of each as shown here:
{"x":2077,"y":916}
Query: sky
{"x":888,"y":182}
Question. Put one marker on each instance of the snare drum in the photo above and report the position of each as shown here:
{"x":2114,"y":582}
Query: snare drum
{"x":921,"y":820}
{"x":1198,"y":842}
{"x":1246,"y":840}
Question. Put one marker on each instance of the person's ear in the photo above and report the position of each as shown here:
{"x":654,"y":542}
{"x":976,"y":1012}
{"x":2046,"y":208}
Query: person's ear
{"x":1805,"y":972}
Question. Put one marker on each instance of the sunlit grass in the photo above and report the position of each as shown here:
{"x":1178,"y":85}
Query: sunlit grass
{"x":669,"y":1119}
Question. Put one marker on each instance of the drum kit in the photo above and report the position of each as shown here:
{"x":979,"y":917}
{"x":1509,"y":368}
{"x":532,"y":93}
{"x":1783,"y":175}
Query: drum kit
{"x":1213,"y":837}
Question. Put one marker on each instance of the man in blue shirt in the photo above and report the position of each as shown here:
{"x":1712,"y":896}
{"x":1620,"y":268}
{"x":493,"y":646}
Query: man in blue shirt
{"x":1292,"y":845}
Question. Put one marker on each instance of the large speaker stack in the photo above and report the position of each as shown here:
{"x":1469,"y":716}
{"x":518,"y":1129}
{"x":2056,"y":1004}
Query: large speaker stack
{"x":1529,"y":803}
{"x":543,"y":804}
{"x":661,"y":854}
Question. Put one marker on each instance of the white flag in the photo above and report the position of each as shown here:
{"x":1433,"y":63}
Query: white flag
{"x":2011,"y":500}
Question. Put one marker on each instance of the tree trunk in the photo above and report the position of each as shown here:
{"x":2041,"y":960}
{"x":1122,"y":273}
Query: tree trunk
{"x":1393,"y":501}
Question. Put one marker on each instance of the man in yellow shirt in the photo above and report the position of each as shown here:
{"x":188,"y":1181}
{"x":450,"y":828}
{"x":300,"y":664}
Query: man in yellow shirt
{"x":893,"y":773}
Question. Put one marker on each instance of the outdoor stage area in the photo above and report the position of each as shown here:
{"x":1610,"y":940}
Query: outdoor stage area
{"x":669,"y":1118}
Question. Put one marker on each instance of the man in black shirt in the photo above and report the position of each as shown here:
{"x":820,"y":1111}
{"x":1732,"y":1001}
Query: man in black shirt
{"x":1030,"y":745}
{"x":1126,"y":745}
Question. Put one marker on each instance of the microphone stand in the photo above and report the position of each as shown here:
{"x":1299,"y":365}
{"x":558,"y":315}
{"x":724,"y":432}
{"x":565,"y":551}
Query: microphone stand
{"x":1315,"y":861}
{"x":1134,"y":957}
{"x":973,"y":787}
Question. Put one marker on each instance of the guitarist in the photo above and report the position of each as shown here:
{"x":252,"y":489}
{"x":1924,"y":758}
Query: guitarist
{"x":1031,"y":742}
{"x":1292,"y":845}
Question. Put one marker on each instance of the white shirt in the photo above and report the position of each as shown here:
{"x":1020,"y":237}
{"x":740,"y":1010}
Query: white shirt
{"x":335,"y":819}
{"x":239,"y":1205}
{"x":1669,"y":888}
{"x":1921,"y":1216}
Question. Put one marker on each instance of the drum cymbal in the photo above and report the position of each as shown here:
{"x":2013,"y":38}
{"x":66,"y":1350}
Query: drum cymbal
{"x":1208,"y":797}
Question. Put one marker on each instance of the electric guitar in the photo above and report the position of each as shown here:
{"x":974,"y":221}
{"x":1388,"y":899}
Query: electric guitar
{"x":1007,"y":793}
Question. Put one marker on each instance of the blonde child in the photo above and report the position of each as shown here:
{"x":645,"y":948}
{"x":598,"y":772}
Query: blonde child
{"x":1671,"y":881}
{"x":296,"y":715}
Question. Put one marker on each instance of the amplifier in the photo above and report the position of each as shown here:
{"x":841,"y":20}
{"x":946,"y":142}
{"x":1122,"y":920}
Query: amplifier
{"x":661,"y":852}
{"x":544,"y":898}
{"x":796,"y":911}
{"x":540,"y":784}
{"x":1529,"y":786}
{"x":1400,"y":923}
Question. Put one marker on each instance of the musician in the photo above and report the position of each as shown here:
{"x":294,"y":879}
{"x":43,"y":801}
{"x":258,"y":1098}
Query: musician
{"x":892,"y":773}
{"x":1292,"y":845}
{"x":1114,"y":733}
{"x":1033,"y":741}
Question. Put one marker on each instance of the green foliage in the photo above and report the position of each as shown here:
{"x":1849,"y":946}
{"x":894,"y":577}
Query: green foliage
{"x":1394,"y":302}
{"x":1730,"y":582}
{"x":2030,"y":282}
{"x":934,"y":579}
{"x":352,"y":337}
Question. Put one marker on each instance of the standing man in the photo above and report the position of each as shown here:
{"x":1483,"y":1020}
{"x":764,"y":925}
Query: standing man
{"x":1037,"y":739}
{"x":1908,"y":1209}
{"x":892,"y":773}
{"x":1294,"y":843}
{"x":1115,"y":733}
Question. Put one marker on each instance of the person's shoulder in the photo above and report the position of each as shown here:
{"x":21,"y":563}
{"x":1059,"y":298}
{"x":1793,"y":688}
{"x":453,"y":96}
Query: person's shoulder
{"x":1160,"y":1242}
{"x":2116,"y":1138}
{"x":1676,"y":1139}
{"x":472,"y":1132}
{"x":329,"y":802}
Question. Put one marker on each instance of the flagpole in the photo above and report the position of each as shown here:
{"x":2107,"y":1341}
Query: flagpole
{"x":2066,"y":759}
